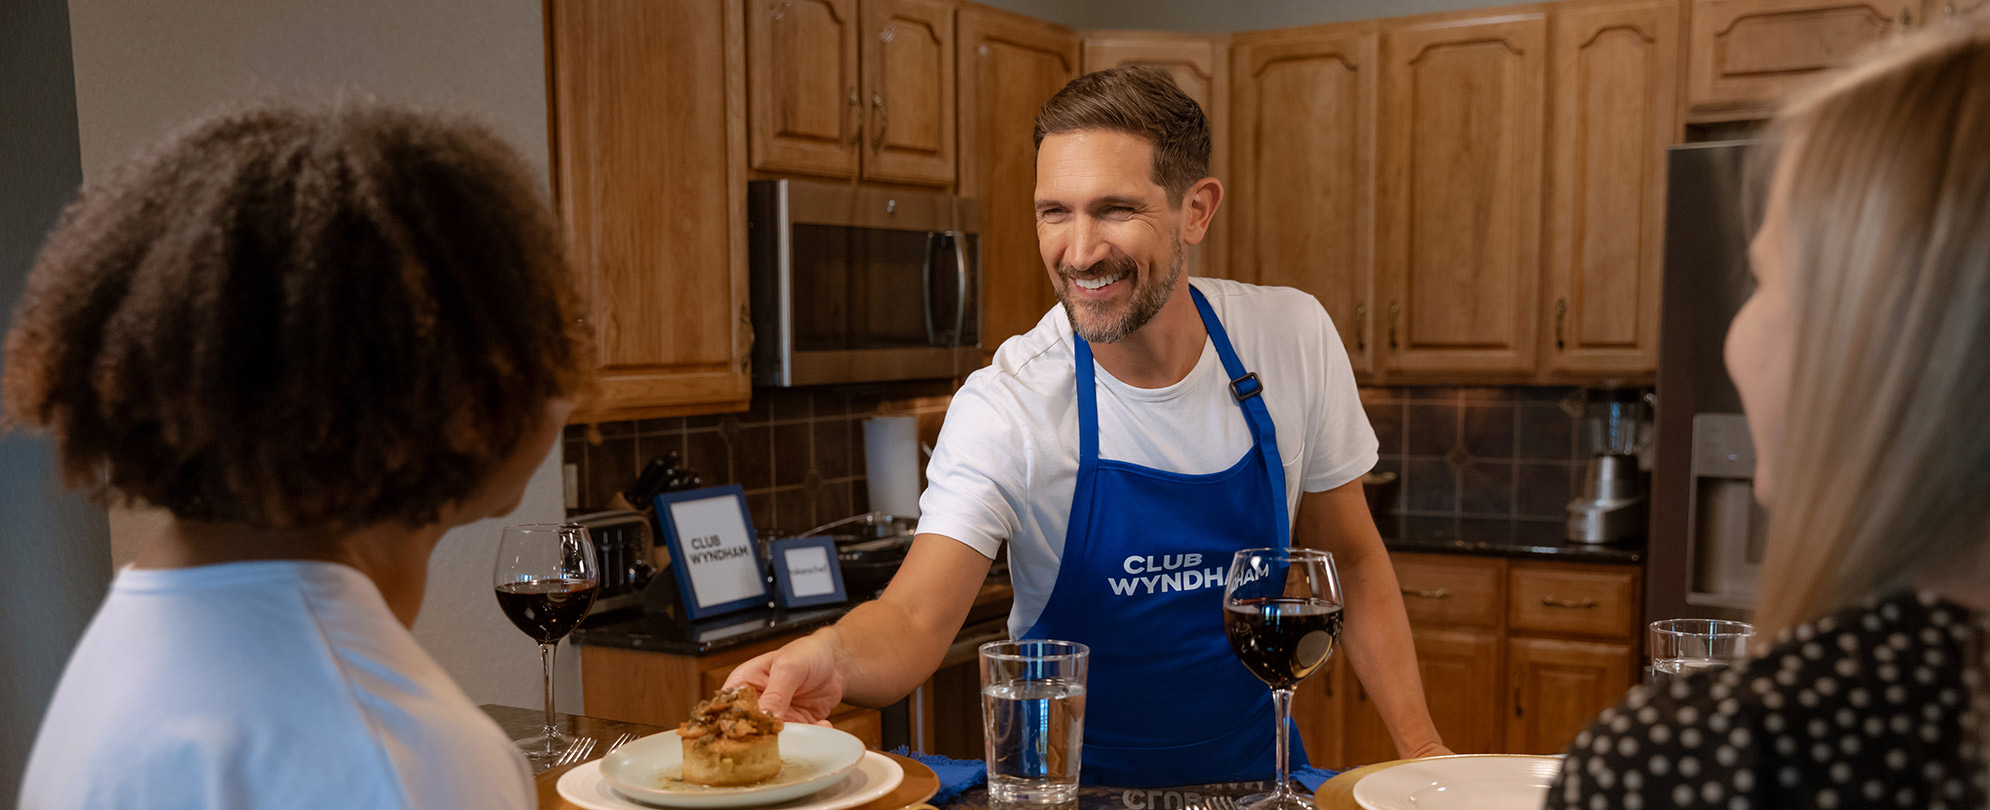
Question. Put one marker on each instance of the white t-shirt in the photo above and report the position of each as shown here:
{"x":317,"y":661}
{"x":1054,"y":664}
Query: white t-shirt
{"x":279,"y":684}
{"x":1006,"y":464}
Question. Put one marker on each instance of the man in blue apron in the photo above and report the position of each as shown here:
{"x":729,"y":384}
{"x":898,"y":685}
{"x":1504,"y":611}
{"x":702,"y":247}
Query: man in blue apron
{"x":1125,"y":448}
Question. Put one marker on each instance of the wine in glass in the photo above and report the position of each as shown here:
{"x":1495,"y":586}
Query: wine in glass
{"x":546,"y":578}
{"x":1282,"y":612}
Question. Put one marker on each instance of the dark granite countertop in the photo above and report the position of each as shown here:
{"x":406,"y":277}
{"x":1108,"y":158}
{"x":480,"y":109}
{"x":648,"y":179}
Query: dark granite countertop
{"x":1539,"y":539}
{"x":659,"y":631}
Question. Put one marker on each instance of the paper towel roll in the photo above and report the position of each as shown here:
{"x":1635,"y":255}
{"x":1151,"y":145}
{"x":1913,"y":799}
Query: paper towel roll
{"x":891,"y":462}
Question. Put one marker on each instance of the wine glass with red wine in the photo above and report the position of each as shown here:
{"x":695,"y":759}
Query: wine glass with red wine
{"x":546,"y":578}
{"x":1282,"y":612}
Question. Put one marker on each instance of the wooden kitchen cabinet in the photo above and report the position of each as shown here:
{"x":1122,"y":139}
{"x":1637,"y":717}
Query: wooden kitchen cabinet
{"x":853,"y":88}
{"x":1616,"y":101}
{"x":1499,"y":675}
{"x":802,"y":85}
{"x":1302,"y":198}
{"x":1746,"y":54}
{"x":1199,"y":64}
{"x":1559,"y":686}
{"x":1009,"y":66}
{"x":649,"y":154}
{"x":909,"y":84}
{"x":660,"y":689}
{"x":1459,"y":240}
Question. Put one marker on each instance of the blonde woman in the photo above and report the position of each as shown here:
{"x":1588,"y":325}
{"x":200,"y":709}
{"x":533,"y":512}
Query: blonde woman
{"x":1861,"y":359}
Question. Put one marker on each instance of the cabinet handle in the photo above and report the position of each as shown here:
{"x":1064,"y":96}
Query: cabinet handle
{"x":1440,"y":593}
{"x":1518,"y":710}
{"x":884,"y":122}
{"x":857,"y":111}
{"x":1586,"y":604}
{"x":1394,"y":308}
{"x":1361,"y":327}
{"x":1906,"y":20}
{"x":1561,"y":323}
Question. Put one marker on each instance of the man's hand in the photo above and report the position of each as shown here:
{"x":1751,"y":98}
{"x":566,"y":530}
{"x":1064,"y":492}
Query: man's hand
{"x":1430,"y":749}
{"x":799,"y":682}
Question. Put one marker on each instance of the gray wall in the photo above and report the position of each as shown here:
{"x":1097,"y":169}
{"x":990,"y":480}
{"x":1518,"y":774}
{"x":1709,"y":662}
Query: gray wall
{"x":1225,"y":15}
{"x":144,"y":68}
{"x":56,"y":546}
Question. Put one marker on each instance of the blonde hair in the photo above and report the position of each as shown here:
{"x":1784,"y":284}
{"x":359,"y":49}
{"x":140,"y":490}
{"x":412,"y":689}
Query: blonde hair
{"x":1883,"y":470}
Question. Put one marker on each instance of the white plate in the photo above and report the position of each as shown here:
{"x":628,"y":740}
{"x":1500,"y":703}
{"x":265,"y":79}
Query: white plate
{"x":812,"y":758}
{"x":876,"y":775}
{"x":1464,"y":782}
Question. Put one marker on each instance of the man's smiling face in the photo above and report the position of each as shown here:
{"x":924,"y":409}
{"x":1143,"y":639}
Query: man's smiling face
{"x":1109,"y":237}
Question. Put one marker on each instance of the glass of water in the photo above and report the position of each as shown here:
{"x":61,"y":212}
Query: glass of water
{"x":1681,"y":647}
{"x":1033,"y":719}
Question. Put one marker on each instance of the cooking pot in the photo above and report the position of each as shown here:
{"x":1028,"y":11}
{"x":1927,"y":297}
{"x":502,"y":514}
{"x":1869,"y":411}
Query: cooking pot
{"x":869,"y":548}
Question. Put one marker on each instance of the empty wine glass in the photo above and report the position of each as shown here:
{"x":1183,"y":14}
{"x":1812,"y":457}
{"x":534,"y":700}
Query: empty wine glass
{"x":1282,"y":612}
{"x":546,"y":578}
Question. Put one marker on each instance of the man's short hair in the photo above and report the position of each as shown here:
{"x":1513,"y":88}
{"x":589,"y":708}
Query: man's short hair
{"x":336,"y":315}
{"x":1142,"y":101}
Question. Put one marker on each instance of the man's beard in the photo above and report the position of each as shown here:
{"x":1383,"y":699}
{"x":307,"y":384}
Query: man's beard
{"x":1146,"y":302}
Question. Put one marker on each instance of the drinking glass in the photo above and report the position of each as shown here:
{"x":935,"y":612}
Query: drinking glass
{"x":1033,"y":719}
{"x":1681,"y":647}
{"x":1282,"y":612}
{"x":546,"y":578}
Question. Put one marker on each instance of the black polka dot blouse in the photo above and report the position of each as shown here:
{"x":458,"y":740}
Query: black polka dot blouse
{"x":1876,"y":706}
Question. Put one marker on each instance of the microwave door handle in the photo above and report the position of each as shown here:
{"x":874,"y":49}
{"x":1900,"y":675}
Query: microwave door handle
{"x":926,"y":283}
{"x":960,"y":269}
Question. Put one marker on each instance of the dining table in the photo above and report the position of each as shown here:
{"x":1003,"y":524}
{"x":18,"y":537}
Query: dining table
{"x":597,"y":736}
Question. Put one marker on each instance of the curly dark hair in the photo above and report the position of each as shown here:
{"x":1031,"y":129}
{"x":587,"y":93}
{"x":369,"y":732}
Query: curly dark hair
{"x":330,"y":315}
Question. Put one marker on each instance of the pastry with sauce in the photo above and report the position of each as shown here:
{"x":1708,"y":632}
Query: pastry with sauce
{"x":729,"y":741}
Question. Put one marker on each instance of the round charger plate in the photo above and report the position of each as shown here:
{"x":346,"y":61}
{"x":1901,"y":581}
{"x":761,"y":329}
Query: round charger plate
{"x":1464,"y":782}
{"x":876,"y":777}
{"x":812,"y":757}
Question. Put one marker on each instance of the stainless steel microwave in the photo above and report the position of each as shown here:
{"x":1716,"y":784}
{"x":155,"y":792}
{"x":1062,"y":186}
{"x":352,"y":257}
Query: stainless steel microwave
{"x":854,"y":284}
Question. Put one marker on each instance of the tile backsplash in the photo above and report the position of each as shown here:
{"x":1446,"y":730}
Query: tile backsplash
{"x":1503,"y":452}
{"x":798,"y":453}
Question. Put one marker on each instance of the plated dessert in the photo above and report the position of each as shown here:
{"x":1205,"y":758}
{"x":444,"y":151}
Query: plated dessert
{"x":729,"y":741}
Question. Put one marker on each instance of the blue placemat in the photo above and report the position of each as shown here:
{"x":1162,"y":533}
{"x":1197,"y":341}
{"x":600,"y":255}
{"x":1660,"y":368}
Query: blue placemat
{"x":957,"y":776}
{"x":1312,"y":778}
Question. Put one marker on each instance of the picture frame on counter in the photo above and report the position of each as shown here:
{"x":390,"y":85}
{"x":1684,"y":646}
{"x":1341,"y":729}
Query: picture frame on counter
{"x":807,"y":571}
{"x":714,"y":551}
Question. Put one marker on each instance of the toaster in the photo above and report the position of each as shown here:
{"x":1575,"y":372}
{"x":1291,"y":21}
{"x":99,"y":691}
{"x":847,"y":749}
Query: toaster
{"x":623,"y":544}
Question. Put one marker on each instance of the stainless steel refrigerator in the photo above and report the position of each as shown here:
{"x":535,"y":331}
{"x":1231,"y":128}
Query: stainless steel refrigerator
{"x":1706,"y":528}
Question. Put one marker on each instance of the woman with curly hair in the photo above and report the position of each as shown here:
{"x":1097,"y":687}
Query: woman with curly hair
{"x":319,"y":337}
{"x":1861,"y":363}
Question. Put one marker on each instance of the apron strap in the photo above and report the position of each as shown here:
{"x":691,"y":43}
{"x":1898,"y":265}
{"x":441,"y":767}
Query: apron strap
{"x":1248,"y":391}
{"x":1244,"y":387}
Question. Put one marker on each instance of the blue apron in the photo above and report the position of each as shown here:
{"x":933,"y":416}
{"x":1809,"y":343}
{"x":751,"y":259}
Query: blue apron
{"x":1141,"y":583}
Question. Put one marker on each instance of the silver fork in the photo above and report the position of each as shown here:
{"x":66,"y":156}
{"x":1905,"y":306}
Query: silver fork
{"x":626,"y":737}
{"x":581,"y":748}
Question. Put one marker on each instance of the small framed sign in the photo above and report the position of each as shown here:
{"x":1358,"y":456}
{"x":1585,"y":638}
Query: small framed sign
{"x":807,"y":570}
{"x":713,"y":550}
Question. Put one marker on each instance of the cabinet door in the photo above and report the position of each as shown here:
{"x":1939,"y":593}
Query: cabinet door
{"x":1461,"y":192}
{"x":1009,"y":66}
{"x":1460,"y":670}
{"x":1303,"y":197}
{"x":1558,"y":688}
{"x":649,"y":160}
{"x":1616,"y":110}
{"x":909,"y":76}
{"x":1747,"y":53}
{"x":801,"y":71}
{"x":1200,"y":65}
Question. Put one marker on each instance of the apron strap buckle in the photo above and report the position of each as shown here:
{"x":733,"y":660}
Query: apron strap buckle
{"x":1247,"y":386}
